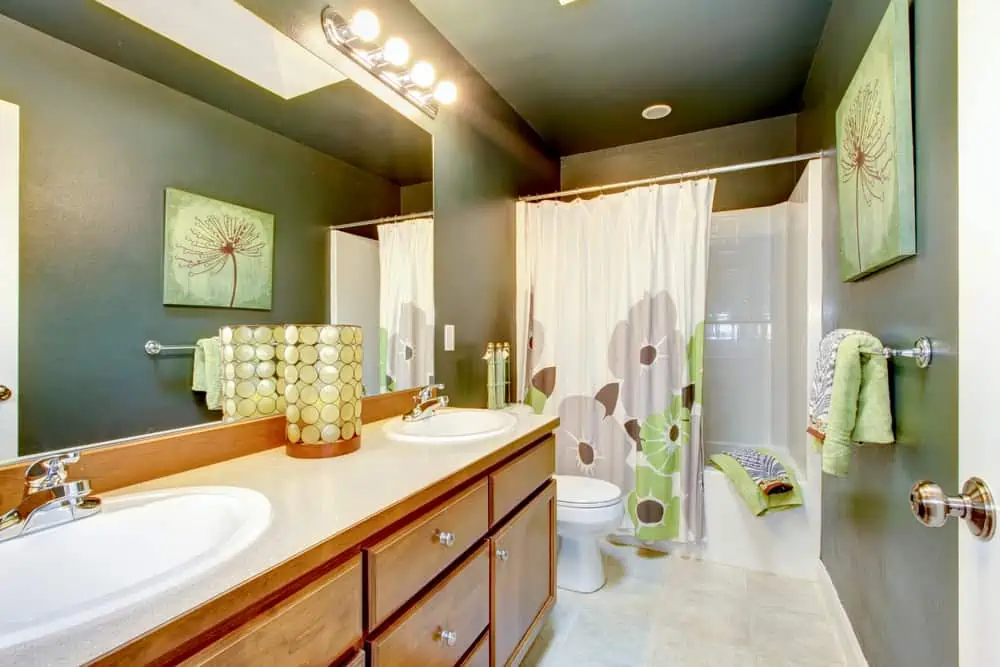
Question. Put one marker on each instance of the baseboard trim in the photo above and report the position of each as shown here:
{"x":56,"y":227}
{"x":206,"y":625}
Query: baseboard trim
{"x":849,"y":644}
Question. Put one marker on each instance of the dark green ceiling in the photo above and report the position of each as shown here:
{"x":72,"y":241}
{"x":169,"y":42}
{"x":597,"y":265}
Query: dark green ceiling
{"x":581,"y":74}
{"x":342,"y":120}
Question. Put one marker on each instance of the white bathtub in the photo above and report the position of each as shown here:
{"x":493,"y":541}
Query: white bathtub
{"x":785,"y":543}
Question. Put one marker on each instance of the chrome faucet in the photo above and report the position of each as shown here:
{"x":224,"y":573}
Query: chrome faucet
{"x":426,"y":404}
{"x":49,"y":500}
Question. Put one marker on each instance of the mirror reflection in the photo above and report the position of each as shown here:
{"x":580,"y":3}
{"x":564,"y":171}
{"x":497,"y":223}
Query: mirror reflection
{"x":169,"y":185}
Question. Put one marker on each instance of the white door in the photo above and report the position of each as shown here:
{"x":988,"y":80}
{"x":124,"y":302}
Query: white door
{"x":979,"y":317}
{"x":9,"y":189}
{"x":354,"y":295}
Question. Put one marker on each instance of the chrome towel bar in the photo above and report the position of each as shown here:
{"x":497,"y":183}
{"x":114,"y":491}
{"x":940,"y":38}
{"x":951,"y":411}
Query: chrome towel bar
{"x":922,"y":351}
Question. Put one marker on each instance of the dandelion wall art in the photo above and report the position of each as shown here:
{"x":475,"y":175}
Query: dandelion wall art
{"x":875,"y":153}
{"x":216,"y":254}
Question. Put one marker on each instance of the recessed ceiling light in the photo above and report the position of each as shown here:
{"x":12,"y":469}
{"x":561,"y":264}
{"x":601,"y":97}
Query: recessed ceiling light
{"x":232,"y":36}
{"x":657,"y":111}
{"x":565,"y":2}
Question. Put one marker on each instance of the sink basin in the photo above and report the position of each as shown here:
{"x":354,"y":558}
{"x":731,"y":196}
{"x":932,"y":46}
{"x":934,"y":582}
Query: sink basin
{"x":448,"y":427}
{"x":138,"y":546}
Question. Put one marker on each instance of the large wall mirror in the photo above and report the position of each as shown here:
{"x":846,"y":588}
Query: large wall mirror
{"x":159,"y":181}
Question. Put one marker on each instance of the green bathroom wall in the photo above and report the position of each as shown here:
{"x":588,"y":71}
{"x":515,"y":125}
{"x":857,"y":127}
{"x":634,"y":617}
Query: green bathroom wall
{"x":733,"y":144}
{"x":477,"y":177}
{"x":100,"y":144}
{"x":898,"y":580}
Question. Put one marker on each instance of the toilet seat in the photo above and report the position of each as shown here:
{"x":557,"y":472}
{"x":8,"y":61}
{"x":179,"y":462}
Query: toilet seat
{"x":586,"y":492}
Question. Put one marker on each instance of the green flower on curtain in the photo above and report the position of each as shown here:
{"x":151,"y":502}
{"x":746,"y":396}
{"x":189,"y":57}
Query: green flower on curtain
{"x":383,"y":364}
{"x":536,"y":400}
{"x":663,"y":436}
{"x":653,"y":508}
{"x":696,"y":360}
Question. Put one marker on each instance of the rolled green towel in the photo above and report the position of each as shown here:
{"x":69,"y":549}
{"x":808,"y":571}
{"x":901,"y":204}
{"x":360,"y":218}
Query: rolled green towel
{"x":751,"y":492}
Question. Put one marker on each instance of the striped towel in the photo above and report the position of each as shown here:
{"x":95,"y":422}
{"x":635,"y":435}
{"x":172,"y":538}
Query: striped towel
{"x":765,"y":470}
{"x":821,"y":390}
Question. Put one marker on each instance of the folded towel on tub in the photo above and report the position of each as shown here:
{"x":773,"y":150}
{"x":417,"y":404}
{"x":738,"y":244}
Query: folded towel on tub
{"x":769,"y":472}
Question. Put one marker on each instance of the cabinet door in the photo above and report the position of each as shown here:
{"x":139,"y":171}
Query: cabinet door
{"x":523,"y":581}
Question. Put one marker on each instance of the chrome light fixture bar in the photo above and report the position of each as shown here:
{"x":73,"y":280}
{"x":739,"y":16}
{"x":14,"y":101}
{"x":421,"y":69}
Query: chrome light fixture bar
{"x":355,"y":38}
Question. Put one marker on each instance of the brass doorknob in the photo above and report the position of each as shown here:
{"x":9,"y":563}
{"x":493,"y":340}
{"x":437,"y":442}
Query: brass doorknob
{"x":932,"y":506}
{"x":5,"y":393}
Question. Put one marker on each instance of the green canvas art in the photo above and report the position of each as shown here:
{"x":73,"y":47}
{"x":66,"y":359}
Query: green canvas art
{"x":216,"y":254}
{"x":875,"y":153}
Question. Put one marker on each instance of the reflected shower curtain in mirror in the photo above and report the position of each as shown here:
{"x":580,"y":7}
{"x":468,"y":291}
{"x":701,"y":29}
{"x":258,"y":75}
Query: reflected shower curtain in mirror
{"x":406,"y":304}
{"x":611,"y":310}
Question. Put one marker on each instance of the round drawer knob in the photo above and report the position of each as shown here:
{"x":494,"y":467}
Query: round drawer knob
{"x":444,"y":538}
{"x":502,"y":554}
{"x":5,"y":393}
{"x":449,"y":637}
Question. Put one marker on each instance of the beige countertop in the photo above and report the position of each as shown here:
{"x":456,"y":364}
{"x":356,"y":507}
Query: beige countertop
{"x":311,"y":502}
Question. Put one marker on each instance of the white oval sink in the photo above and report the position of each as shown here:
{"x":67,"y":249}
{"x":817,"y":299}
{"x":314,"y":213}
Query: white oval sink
{"x":448,"y":427}
{"x":137,"y":547}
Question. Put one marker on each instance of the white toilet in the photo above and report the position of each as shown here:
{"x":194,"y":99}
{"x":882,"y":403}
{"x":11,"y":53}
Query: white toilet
{"x":587,"y":510}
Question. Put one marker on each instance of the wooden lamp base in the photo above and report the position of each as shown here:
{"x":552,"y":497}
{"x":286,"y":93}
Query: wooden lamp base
{"x":324,"y":450}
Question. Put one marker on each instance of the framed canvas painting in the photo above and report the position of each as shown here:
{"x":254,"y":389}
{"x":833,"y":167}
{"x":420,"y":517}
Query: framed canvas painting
{"x":875,"y":153}
{"x":216,"y":254}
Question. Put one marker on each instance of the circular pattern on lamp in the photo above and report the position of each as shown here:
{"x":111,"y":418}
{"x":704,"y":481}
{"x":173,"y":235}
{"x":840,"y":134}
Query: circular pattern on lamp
{"x":308,"y":354}
{"x":326,"y":363}
{"x":308,"y":374}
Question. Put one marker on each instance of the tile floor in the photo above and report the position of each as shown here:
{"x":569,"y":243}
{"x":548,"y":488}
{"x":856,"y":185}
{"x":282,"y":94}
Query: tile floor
{"x":665,"y":611}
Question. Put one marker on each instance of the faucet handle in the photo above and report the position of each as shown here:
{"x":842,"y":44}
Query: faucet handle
{"x":425,"y":394}
{"x":49,"y":472}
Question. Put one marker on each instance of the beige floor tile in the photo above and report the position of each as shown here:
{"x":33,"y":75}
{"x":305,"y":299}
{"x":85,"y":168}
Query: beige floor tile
{"x":707,"y":616}
{"x":610,"y":630}
{"x":793,"y":636}
{"x":676,"y":650}
{"x":771,"y":591}
{"x":767,"y":661}
{"x":663,"y":611}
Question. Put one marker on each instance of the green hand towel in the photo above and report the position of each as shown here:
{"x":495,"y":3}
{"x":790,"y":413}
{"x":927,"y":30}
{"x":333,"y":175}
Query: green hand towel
{"x":859,"y":404}
{"x":750,"y":491}
{"x":207,"y":372}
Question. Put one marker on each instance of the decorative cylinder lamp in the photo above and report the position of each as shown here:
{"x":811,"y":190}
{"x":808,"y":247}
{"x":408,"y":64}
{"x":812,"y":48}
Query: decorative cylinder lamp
{"x":249,"y":386}
{"x":321,"y":373}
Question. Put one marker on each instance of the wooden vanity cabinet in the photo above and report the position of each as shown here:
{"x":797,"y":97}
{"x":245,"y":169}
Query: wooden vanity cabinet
{"x":312,"y":627}
{"x":523,"y":576}
{"x":462,"y":575}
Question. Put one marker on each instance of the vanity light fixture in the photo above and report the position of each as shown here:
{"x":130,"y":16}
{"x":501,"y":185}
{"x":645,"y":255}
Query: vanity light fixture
{"x":355,"y":39}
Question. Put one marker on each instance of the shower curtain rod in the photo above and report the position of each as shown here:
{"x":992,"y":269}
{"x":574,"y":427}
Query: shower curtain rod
{"x":683,"y":176}
{"x":386,"y":220}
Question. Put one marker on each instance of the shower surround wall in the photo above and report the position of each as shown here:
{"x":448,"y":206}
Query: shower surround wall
{"x":763,"y":324}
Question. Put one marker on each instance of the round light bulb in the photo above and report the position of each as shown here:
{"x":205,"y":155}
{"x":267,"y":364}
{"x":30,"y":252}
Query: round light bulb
{"x":423,"y":74}
{"x":396,"y":51}
{"x":446,"y":92}
{"x":365,"y":25}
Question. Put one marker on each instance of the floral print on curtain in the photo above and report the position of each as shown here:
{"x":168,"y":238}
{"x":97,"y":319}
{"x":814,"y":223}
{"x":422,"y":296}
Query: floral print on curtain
{"x":612,"y":303}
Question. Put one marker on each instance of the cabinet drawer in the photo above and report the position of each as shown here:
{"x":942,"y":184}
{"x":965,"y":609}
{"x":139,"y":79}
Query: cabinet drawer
{"x":514,"y":482}
{"x":480,"y":656}
{"x":406,"y":561}
{"x":459,"y":604}
{"x":312,"y":627}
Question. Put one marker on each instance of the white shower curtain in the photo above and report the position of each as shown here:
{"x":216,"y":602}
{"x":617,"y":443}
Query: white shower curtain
{"x":611,"y":310}
{"x":406,"y":304}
